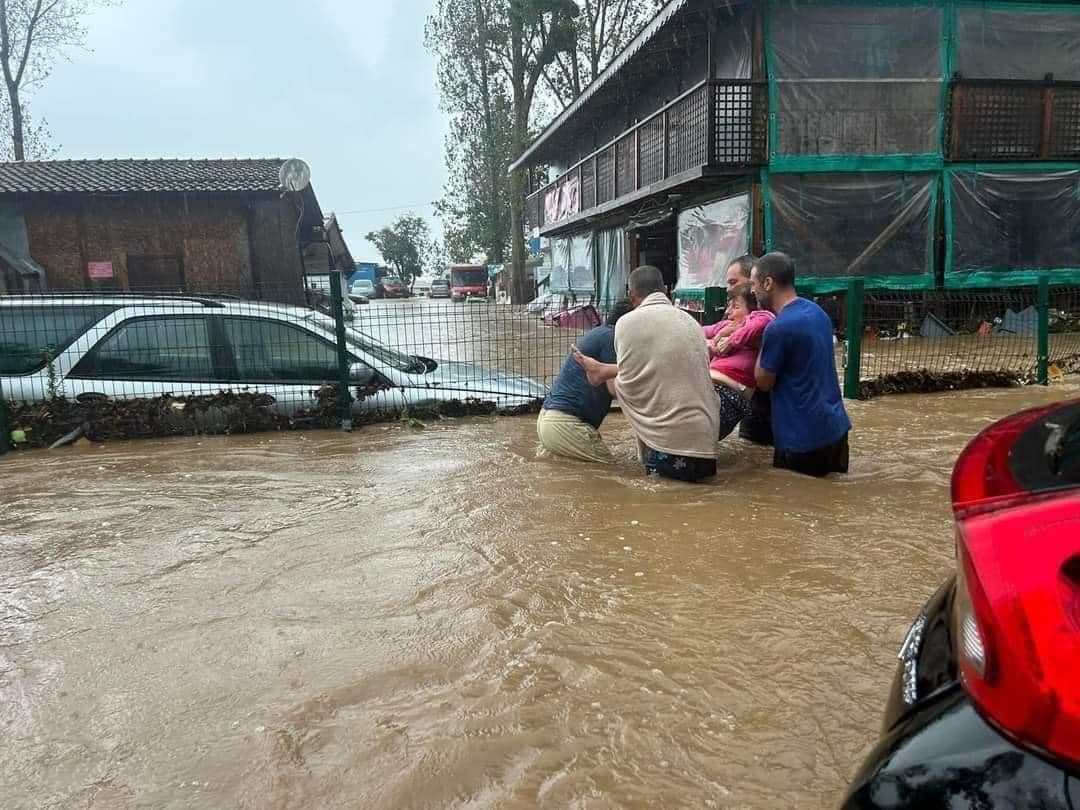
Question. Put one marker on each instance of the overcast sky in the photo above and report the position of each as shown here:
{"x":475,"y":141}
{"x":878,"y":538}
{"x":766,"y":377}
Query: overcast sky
{"x":347,"y":86}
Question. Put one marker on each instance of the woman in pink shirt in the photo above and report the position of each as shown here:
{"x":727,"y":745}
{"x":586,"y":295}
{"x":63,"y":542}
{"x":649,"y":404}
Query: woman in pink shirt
{"x":734,"y":344}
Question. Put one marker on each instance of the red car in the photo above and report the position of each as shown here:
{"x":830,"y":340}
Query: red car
{"x":985,"y":706}
{"x":394,"y":287}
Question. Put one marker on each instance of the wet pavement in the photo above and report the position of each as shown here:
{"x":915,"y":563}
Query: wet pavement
{"x":435,"y":618}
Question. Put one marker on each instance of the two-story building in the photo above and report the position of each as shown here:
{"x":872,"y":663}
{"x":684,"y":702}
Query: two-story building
{"x":914,"y":143}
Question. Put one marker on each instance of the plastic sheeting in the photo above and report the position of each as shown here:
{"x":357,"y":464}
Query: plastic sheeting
{"x":855,"y":224}
{"x":735,"y":48}
{"x":572,"y":263}
{"x":1008,"y":222}
{"x":611,"y":266}
{"x":996,"y":43}
{"x":711,"y":236}
{"x":856,"y":80}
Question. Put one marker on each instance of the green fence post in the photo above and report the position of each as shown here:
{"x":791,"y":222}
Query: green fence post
{"x":5,"y":429}
{"x":1044,"y":330}
{"x":344,"y":370}
{"x":854,"y":338}
{"x":715,"y":303}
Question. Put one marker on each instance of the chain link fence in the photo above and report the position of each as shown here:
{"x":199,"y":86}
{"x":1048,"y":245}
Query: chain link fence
{"x":106,"y":365}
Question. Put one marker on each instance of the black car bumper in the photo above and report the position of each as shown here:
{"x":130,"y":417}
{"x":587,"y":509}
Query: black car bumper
{"x":946,"y":756}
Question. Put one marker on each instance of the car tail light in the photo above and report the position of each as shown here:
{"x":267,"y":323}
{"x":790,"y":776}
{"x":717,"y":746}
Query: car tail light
{"x":1016,"y":614}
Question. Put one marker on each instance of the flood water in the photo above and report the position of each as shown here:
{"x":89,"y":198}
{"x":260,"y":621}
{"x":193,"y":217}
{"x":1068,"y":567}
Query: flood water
{"x":405,"y":618}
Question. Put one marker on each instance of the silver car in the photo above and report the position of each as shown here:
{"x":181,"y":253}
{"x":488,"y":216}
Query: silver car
{"x":139,"y":347}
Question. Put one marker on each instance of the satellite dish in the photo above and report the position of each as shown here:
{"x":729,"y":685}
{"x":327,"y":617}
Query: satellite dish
{"x":294,"y":175}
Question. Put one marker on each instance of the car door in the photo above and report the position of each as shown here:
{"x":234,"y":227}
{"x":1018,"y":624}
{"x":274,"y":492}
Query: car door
{"x":148,"y":356}
{"x":286,"y":361}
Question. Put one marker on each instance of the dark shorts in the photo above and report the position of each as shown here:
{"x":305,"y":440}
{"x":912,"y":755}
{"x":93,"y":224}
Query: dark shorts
{"x":817,"y":463}
{"x":757,"y":427}
{"x":678,"y":468}
{"x":734,"y":407}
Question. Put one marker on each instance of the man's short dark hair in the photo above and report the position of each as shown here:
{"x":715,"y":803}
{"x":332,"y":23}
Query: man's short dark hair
{"x":745,"y":263}
{"x":646,"y":280}
{"x":779,"y":267}
{"x":621,"y":308}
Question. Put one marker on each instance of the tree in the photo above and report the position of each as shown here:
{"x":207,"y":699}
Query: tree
{"x":603,"y":27}
{"x":406,"y":246}
{"x":501,"y":64}
{"x":475,"y":207}
{"x":32,"y":34}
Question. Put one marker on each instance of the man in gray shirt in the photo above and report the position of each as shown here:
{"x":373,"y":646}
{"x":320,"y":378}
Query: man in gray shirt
{"x":661,"y":378}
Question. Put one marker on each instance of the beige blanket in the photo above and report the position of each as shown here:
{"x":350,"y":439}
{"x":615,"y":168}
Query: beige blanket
{"x":663,"y":385}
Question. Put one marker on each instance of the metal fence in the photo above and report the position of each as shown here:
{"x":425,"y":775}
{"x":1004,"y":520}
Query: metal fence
{"x":151,"y":364}
{"x":939,"y":340}
{"x":128,"y":365}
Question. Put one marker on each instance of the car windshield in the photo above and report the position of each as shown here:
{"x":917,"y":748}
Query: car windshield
{"x":470,"y":277}
{"x":370,"y":346}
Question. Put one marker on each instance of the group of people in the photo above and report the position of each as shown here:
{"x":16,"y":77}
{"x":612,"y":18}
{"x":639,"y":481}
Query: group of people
{"x":768,"y":368}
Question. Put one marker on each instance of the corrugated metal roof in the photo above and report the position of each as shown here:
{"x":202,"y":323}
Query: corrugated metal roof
{"x":135,"y":176}
{"x":636,"y":44}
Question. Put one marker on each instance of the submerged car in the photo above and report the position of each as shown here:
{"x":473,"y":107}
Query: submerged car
{"x":140,"y":347}
{"x":984,"y":710}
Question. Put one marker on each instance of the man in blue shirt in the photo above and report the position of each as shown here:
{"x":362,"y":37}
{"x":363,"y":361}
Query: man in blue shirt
{"x":570,"y":420}
{"x":797,"y":365}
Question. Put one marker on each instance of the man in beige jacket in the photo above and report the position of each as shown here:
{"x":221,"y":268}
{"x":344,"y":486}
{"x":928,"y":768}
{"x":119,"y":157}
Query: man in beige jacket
{"x":661,"y":378}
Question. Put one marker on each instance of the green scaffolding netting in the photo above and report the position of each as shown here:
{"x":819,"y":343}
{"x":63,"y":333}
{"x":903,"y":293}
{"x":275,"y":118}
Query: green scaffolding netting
{"x":876,"y":225}
{"x":1005,"y":227}
{"x":855,"y":80}
{"x":994,"y":41}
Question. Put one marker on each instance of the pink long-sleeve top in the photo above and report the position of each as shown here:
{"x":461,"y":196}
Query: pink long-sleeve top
{"x":744,"y":344}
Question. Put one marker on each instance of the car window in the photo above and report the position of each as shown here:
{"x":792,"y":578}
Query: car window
{"x":155,"y":348}
{"x":31,"y":336}
{"x":272,"y":351}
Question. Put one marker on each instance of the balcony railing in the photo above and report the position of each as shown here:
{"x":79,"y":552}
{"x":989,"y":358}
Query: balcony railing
{"x":993,"y":119}
{"x":676,"y":139}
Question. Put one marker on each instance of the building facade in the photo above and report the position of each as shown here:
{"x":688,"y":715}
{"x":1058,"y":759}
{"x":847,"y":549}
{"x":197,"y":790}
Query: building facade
{"x":915,"y":144}
{"x":162,"y":225}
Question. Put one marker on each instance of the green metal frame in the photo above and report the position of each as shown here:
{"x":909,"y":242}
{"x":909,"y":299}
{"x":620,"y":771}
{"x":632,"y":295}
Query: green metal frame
{"x":931,"y":161}
{"x":1003,"y":276}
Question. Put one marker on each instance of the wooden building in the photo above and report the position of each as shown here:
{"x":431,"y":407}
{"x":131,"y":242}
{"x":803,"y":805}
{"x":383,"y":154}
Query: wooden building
{"x":914,"y":144}
{"x":176,"y":225}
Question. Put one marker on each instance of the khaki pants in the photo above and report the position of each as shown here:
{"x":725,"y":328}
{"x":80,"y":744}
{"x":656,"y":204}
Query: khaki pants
{"x":564,"y":435}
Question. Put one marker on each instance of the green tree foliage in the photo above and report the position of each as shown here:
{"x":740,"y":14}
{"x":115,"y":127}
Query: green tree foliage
{"x":406,"y":246}
{"x":501,"y":65}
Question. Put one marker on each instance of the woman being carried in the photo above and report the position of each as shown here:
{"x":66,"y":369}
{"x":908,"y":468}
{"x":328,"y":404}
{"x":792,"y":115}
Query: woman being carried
{"x":734,"y":344}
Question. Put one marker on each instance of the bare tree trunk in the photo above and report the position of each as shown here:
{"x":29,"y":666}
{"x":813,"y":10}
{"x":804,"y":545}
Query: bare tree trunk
{"x":518,"y":282}
{"x":496,"y":251}
{"x":17,"y":139}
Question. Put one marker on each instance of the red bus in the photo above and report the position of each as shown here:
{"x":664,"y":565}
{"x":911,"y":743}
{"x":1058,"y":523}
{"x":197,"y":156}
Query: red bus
{"x":468,"y":281}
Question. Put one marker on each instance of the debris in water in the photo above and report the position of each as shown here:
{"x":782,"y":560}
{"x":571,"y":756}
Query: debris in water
{"x":627,"y":548}
{"x":633,"y":523}
{"x":639,"y":573}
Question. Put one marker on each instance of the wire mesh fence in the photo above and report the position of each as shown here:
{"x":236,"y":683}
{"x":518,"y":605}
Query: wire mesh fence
{"x":130,"y":365}
{"x":930,"y":340}
{"x":148,"y":364}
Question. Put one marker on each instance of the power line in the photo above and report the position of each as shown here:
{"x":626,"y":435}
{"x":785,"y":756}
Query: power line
{"x":383,"y":210}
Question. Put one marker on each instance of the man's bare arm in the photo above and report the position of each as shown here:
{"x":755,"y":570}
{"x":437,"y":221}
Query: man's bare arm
{"x":765,"y":379}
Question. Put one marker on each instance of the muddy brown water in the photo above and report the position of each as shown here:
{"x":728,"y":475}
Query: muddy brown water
{"x":412,"y":619}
